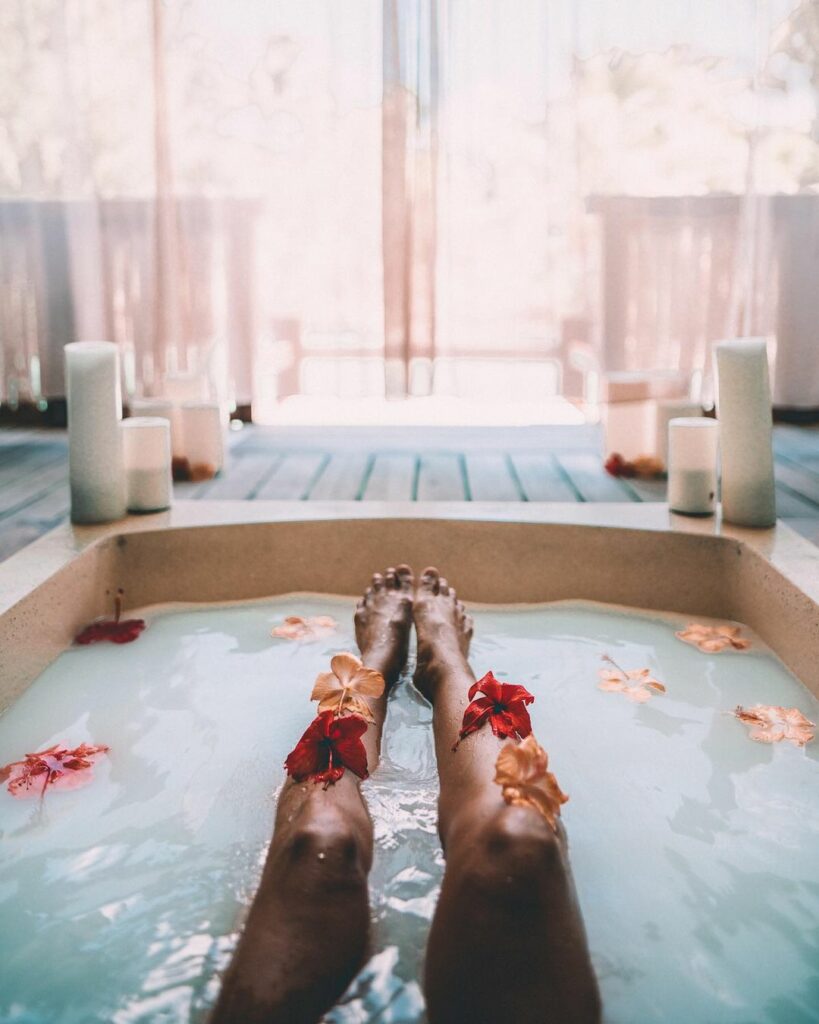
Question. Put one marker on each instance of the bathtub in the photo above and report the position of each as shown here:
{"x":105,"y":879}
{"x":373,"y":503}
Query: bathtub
{"x":638,"y":555}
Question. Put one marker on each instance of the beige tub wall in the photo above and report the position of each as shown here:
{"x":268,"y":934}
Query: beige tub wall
{"x":773,"y":606}
{"x":44,"y":622}
{"x":496,"y":562}
{"x":633,"y":555}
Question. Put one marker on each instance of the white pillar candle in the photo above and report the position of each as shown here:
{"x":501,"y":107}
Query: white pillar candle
{"x":629,"y":428}
{"x":94,"y":443}
{"x":203,"y":438}
{"x":160,"y":407}
{"x":186,"y":387}
{"x":146,"y":452}
{"x":744,"y":412}
{"x":692,"y":465}
{"x":669,"y":409}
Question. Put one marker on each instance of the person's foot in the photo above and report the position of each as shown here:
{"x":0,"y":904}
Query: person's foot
{"x":383,"y":618}
{"x":444,"y":630}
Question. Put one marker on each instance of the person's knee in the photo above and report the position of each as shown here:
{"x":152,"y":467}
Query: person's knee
{"x":517,"y":855}
{"x":328,"y":849}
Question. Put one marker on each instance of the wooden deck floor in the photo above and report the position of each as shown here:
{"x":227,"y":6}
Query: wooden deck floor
{"x":390,"y":464}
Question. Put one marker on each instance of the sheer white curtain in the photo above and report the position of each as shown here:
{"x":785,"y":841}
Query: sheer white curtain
{"x":404,"y":196}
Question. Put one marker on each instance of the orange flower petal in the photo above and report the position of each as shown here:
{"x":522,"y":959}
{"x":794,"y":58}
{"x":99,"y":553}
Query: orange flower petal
{"x":295,"y":627}
{"x":771,"y":723}
{"x":368,"y":682}
{"x":345,"y":666}
{"x":636,"y":684}
{"x":326,"y":685}
{"x":522,"y":771}
{"x":342,"y":690}
{"x":713,"y":639}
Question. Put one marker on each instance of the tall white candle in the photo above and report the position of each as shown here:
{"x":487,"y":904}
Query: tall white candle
{"x":692,"y":465}
{"x":744,"y":411}
{"x":203,"y":438}
{"x":94,"y":443}
{"x":146,"y":451}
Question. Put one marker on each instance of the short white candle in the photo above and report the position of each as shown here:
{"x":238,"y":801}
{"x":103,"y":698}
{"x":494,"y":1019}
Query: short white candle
{"x":669,"y":409}
{"x":692,"y":465}
{"x":203,"y":437}
{"x":744,"y":412}
{"x":146,"y":449}
{"x":160,"y":407}
{"x":94,"y":444}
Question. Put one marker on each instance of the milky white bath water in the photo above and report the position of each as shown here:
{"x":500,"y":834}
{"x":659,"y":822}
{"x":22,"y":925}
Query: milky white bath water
{"x":695,"y":850}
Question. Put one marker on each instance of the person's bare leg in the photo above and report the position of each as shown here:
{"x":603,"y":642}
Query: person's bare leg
{"x":307,"y":931}
{"x":507,"y":942}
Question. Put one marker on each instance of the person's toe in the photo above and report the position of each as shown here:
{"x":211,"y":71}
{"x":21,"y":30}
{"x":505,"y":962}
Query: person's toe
{"x":406,"y":580}
{"x":378,"y":581}
{"x":430,"y":579}
{"x":391,"y":579}
{"x":443,"y":586}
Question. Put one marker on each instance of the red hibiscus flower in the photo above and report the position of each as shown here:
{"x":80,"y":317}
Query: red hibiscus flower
{"x":503,"y":705}
{"x":328,"y":746}
{"x":57,"y":766}
{"x":118,"y":632}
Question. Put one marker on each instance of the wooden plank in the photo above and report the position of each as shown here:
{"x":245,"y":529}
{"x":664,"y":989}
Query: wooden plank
{"x":791,"y":506}
{"x":31,"y":459}
{"x":410,"y":439}
{"x":793,"y":441}
{"x":809,"y":528}
{"x":242,"y":477}
{"x":293,"y":477}
{"x":490,"y":478}
{"x":26,"y":525}
{"x":392,"y":478}
{"x":16,"y":494}
{"x":804,"y":481}
{"x":342,"y":478}
{"x":51,"y":507}
{"x":440,"y":478}
{"x":541,"y":478}
{"x":591,"y":480}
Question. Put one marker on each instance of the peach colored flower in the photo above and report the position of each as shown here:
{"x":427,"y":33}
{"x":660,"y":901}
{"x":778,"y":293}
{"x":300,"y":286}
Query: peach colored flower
{"x":771,"y":723}
{"x":637,"y":684}
{"x":713,"y":639}
{"x":522,"y":771}
{"x":295,"y":627}
{"x":344,"y":687}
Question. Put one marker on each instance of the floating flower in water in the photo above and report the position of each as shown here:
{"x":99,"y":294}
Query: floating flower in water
{"x":644,"y":466}
{"x":522,"y":770}
{"x":771,"y":723}
{"x":295,"y":627}
{"x":343,"y":688}
{"x":114,"y":630}
{"x":713,"y":639}
{"x":328,"y":746}
{"x":503,"y":705}
{"x":57,"y":767}
{"x":637,"y":684}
